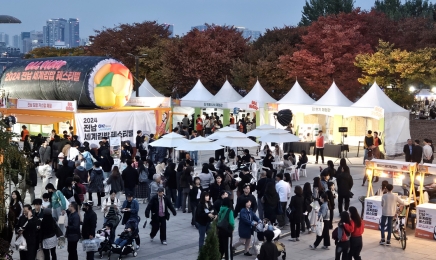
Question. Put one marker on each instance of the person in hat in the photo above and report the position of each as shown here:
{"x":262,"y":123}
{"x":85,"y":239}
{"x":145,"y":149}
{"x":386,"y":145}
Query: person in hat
{"x":37,"y":210}
{"x":158,"y":206}
{"x":240,"y":204}
{"x":89,"y":225}
{"x":268,"y":250}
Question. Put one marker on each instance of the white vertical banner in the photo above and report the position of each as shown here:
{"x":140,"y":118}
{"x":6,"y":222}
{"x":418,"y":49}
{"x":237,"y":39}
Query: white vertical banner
{"x":92,"y":127}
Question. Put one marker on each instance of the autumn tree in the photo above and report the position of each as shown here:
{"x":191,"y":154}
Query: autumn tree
{"x":313,"y":9}
{"x":396,"y":10}
{"x":328,"y":52}
{"x":122,"y":39}
{"x":44,"y":52}
{"x":262,"y":58}
{"x":395,"y":69}
{"x":207,"y":55}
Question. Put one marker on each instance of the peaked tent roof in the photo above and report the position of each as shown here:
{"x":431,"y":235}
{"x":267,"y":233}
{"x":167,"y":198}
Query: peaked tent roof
{"x":198,"y":93}
{"x":333,"y":97}
{"x":227,"y":93}
{"x":296,"y":96}
{"x":146,"y":90}
{"x":376,"y":97}
{"x":258,"y":94}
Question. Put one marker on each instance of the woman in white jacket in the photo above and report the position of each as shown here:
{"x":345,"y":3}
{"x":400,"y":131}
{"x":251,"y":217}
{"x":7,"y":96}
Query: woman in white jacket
{"x":111,"y":205}
{"x":44,"y":171}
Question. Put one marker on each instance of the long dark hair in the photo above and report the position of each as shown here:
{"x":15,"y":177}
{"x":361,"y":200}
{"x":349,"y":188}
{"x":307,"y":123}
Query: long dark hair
{"x":47,"y":223}
{"x":116,"y":172}
{"x":354,"y":215}
{"x":325,"y":198}
{"x":141,"y":166}
{"x":18,"y":197}
{"x":203,"y":198}
{"x":306,"y":189}
{"x":271,"y":194}
{"x":345,"y":217}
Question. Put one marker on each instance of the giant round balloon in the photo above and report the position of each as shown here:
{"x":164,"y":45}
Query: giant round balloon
{"x":92,"y":81}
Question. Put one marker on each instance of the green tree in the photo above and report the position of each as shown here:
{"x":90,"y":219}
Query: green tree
{"x":395,"y":10}
{"x":313,"y":9}
{"x":210,"y":249}
{"x":396,"y":69}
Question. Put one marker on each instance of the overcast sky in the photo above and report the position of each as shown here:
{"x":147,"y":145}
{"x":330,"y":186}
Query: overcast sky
{"x":96,"y":14}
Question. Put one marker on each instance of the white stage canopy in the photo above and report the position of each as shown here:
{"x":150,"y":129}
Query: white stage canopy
{"x":376,"y":104}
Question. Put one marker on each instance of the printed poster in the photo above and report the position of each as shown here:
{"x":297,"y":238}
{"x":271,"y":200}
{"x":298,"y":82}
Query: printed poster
{"x":426,"y":221}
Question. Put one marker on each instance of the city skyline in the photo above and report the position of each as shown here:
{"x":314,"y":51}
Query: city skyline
{"x":255,"y":15}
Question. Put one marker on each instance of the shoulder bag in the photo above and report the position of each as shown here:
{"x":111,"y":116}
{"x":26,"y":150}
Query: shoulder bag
{"x":224,"y":224}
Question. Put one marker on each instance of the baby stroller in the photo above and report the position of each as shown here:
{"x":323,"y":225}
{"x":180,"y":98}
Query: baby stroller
{"x":108,"y":238}
{"x":125,"y":245}
{"x":259,"y":239}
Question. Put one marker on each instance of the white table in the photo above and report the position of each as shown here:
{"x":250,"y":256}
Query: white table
{"x":277,"y":164}
{"x":426,"y":221}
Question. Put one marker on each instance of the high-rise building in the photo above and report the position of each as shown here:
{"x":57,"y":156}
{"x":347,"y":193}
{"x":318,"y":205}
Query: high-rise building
{"x":73,"y":39}
{"x":26,"y":42}
{"x":4,"y":37}
{"x":37,"y":38}
{"x":170,"y":28}
{"x":246,"y":33}
{"x":16,"y":41}
{"x":55,"y":31}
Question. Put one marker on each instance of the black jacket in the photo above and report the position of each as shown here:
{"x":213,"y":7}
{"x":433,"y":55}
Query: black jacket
{"x":240,"y":203}
{"x":215,"y":190}
{"x":89,"y":224}
{"x":130,"y":177}
{"x":73,"y":228}
{"x":297,"y":202}
{"x":200,"y":214}
{"x":345,"y":182}
{"x":62,"y":174}
{"x":417,"y":153}
{"x":406,"y":151}
{"x":246,"y":178}
{"x":261,"y":186}
{"x":29,"y":231}
{"x":194,"y":192}
{"x":139,"y":141}
{"x":171,"y":176}
{"x":33,"y":177}
{"x":153,"y":207}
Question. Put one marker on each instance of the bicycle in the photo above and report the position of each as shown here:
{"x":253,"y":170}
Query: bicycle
{"x":399,"y":230}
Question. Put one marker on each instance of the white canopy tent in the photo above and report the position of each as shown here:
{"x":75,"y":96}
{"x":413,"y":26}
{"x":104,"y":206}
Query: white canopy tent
{"x":376,"y":104}
{"x":196,"y":97}
{"x":148,"y":97}
{"x":226,"y":94}
{"x":333,"y":97}
{"x":255,"y":99}
{"x":296,"y":96}
{"x":146,"y":90}
{"x":425,"y":93}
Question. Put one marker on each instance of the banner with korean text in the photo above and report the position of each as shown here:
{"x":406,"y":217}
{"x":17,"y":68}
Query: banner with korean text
{"x":426,"y":221}
{"x":92,"y":127}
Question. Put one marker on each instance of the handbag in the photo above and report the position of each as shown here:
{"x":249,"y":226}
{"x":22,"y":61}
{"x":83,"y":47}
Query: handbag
{"x":351,"y":195}
{"x":319,"y":226}
{"x":61,"y":220}
{"x":36,"y":159}
{"x":91,"y":245}
{"x":289,"y":211}
{"x":20,"y":243}
{"x":224,"y":224}
{"x":40,"y":254}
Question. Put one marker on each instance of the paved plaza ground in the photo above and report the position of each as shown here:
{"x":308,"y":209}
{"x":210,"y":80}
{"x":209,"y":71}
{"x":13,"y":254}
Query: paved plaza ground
{"x":182,"y":238}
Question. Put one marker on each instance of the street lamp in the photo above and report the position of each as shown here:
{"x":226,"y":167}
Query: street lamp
{"x":136,"y":70}
{"x":411,"y":88}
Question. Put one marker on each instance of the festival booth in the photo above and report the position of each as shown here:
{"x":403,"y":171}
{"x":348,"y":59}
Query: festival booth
{"x":388,"y":169}
{"x":192,"y":103}
{"x":425,"y":93}
{"x":88,"y":93}
{"x":226,"y":95}
{"x":255,"y":103}
{"x":426,"y":210}
{"x":377,"y":112}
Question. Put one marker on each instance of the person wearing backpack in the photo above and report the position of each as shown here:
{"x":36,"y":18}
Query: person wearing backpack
{"x":341,"y":235}
{"x":225,"y":226}
{"x":87,"y":156}
{"x":116,"y":182}
{"x":141,"y":191}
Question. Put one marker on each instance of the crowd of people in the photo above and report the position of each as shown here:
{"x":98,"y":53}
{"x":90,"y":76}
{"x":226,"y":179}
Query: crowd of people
{"x":149,"y":174}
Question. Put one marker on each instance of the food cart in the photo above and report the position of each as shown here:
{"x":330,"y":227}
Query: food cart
{"x":426,"y":212}
{"x":387,"y":169}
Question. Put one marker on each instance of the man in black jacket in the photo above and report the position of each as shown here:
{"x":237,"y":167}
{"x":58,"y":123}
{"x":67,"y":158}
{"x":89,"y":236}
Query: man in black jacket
{"x":408,"y":150}
{"x":261,"y":186}
{"x":246,"y":195}
{"x":345,"y":184}
{"x":89,"y":225}
{"x":158,"y":206}
{"x":417,"y":152}
{"x":63,"y":173}
{"x":130,"y":177}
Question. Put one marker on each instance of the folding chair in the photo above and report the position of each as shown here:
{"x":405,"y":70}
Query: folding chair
{"x":302,"y":171}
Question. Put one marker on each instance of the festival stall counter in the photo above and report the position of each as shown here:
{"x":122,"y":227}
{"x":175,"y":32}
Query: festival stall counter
{"x":388,"y":169}
{"x":426,"y":212}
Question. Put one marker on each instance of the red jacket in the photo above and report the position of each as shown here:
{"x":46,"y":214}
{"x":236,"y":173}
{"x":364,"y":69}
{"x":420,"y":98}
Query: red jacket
{"x":357,"y":231}
{"x":82,"y":191}
{"x":349,"y":229}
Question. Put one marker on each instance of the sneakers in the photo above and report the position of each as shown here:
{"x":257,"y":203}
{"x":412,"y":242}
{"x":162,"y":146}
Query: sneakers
{"x":137,"y":247}
{"x":292,"y":239}
{"x":164,"y":242}
{"x":325,"y":247}
{"x":388,"y":243}
{"x":298,"y":239}
{"x":309,"y":231}
{"x":382,"y":242}
{"x":247,"y":254}
{"x":151,"y":239}
{"x":313,"y":247}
